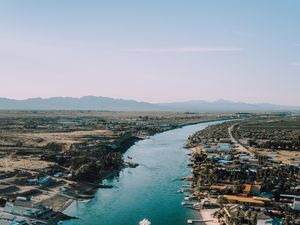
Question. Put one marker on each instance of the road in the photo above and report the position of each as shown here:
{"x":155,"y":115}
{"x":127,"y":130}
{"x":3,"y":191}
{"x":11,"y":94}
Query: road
{"x":239,"y":147}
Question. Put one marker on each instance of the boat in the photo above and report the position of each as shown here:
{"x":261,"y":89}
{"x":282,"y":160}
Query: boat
{"x":145,"y":222}
{"x":180,"y":191}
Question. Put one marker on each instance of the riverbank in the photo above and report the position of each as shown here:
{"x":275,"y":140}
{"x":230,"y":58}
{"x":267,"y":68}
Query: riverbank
{"x":93,"y":187}
{"x":207,"y":215}
{"x":60,"y":175}
{"x":153,"y":183}
{"x":234,"y":184}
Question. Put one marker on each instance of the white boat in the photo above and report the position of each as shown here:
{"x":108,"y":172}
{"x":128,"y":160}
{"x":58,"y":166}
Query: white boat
{"x":145,"y":222}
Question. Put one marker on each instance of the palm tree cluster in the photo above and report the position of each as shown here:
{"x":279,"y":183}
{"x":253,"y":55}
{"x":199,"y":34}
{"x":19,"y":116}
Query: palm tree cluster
{"x":207,"y":172}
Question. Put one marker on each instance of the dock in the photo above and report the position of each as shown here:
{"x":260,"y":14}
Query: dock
{"x":196,"y":221}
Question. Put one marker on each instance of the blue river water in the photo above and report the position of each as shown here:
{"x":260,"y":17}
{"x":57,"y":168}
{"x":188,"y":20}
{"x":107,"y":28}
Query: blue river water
{"x":148,"y":191}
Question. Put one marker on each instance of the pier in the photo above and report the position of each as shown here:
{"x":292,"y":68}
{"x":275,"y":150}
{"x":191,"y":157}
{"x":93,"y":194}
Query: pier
{"x":195,"y":221}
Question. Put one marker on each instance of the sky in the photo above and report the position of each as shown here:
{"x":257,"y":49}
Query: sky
{"x":154,"y":51}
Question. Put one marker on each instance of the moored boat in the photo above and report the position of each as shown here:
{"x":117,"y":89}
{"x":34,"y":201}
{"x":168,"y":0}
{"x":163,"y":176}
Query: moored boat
{"x":145,"y":222}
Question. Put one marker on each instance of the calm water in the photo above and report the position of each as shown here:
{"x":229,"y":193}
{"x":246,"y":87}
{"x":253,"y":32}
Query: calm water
{"x":148,"y":191}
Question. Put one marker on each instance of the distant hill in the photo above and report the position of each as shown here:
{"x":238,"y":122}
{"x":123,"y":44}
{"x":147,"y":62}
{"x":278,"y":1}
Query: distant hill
{"x":225,"y":106}
{"x":83,"y":103}
{"x":111,"y":104}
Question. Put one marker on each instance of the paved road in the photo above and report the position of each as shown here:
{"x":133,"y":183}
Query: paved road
{"x":239,"y":147}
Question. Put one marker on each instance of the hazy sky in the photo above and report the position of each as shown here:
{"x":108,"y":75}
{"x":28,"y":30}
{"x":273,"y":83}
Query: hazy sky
{"x":155,"y":50}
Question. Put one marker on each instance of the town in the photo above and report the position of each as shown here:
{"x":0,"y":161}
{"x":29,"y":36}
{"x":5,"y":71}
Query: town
{"x":238,"y":181}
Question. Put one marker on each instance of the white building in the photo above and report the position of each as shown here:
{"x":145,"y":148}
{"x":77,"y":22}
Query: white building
{"x":296,"y":203}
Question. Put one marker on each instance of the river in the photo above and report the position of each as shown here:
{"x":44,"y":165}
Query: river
{"x":148,"y":191}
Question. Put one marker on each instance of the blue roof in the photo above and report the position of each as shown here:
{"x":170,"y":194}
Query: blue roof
{"x":266,"y":195}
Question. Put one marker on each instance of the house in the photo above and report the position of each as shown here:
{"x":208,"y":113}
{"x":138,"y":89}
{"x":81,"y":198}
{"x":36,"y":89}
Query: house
{"x":59,"y":174}
{"x":296,"y":204}
{"x":223,"y":145}
{"x":292,"y":198}
{"x":218,"y":188}
{"x":32,"y":181}
{"x":6,"y":218}
{"x":245,"y":158}
{"x":25,"y":211}
{"x":247,"y":189}
{"x":213,"y":157}
{"x":226,"y":157}
{"x":252,"y":189}
{"x":45,"y":181}
{"x":210,"y":150}
{"x":223,"y":162}
{"x":224,"y":149}
{"x":266,"y":195}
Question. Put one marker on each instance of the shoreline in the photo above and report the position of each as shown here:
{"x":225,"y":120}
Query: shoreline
{"x":94,"y":187}
{"x":66,"y":205}
{"x":112,"y":173}
{"x":207,"y":214}
{"x":217,"y":156}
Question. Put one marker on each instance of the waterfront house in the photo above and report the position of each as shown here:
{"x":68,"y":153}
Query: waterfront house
{"x":245,"y":158}
{"x":226,"y":157}
{"x":296,"y":203}
{"x":223,"y":145}
{"x":223,"y":162}
{"x":9,"y":219}
{"x":45,"y":181}
{"x":266,"y":195}
{"x":32,"y":181}
{"x":213,"y":156}
{"x":210,"y":150}
{"x":225,"y":149}
{"x":26,"y":211}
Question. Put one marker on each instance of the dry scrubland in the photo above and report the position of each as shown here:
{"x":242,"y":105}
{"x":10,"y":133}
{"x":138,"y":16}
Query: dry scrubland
{"x":274,"y":136}
{"x":36,"y":140}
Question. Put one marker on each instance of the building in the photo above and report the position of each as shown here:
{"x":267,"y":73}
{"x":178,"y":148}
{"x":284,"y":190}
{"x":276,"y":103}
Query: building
{"x":218,"y":188}
{"x":25,"y":211}
{"x":210,"y":150}
{"x":243,"y":200}
{"x":6,"y":218}
{"x":252,"y":189}
{"x":223,"y":162}
{"x":296,"y":203}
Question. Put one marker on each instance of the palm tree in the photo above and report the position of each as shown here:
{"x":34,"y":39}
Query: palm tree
{"x":248,"y":215}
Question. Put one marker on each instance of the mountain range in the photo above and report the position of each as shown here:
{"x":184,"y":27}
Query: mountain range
{"x":112,"y":104}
